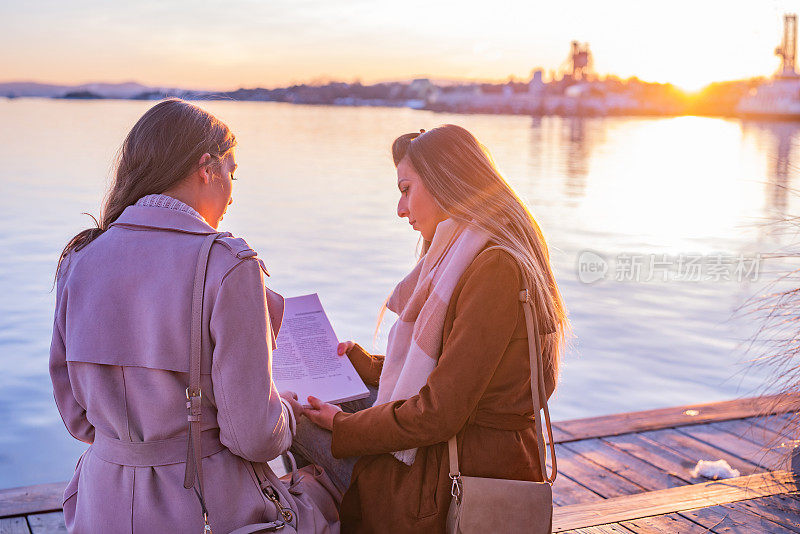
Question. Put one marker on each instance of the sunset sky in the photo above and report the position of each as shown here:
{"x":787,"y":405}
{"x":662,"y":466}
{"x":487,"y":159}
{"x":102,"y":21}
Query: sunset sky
{"x":248,"y":43}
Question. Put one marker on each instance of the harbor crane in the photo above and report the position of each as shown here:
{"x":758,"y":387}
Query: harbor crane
{"x":579,"y":63}
{"x":787,"y":50}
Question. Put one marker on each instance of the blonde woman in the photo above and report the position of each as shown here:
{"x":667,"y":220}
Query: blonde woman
{"x":457,"y":361}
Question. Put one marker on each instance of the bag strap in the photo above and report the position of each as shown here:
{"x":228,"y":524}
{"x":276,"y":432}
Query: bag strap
{"x":537,"y":394}
{"x":193,"y":477}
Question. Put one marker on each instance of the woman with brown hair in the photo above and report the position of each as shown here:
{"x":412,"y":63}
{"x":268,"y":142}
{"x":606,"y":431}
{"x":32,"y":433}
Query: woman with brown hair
{"x":457,"y":360}
{"x":160,"y":319}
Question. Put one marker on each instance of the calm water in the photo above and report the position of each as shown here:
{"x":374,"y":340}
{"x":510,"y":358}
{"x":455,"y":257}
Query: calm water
{"x":317,"y":199}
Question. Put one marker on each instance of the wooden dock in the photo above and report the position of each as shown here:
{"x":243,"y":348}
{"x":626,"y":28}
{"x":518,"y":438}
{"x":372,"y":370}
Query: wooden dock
{"x":621,"y":473}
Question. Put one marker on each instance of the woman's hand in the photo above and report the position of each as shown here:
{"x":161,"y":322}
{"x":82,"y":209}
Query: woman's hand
{"x":297,"y":408}
{"x":344,"y":347}
{"x":321,"y":413}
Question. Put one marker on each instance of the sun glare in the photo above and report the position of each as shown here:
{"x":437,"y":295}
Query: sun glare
{"x":691,"y":85}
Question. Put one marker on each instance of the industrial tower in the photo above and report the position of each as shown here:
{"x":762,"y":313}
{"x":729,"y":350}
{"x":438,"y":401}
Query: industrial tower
{"x":579,"y":63}
{"x":787,"y":50}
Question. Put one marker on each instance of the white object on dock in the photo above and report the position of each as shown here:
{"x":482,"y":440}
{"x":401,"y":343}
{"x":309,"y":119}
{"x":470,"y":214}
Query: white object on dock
{"x":714,"y":469}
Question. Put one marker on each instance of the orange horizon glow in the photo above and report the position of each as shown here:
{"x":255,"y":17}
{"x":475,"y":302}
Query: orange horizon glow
{"x":253,"y":45}
{"x":689,"y":83}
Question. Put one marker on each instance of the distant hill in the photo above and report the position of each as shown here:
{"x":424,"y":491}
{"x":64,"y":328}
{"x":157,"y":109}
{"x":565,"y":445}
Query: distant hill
{"x":81,"y":95}
{"x":32,"y":89}
{"x":104,"y":90}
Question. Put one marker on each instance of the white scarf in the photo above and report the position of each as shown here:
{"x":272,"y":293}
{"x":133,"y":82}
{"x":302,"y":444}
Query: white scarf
{"x":421,"y":300}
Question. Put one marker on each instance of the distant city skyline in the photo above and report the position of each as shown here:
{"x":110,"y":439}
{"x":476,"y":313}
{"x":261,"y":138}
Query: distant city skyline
{"x":249,"y":43}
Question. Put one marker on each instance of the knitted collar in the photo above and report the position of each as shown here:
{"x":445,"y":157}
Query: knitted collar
{"x":166,"y":201}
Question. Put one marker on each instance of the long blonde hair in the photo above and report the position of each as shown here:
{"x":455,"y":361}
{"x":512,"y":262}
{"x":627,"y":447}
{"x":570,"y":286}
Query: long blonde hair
{"x":462,"y":178}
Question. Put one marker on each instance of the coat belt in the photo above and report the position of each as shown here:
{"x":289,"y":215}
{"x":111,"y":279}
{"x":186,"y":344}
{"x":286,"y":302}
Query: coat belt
{"x":152,"y":453}
{"x":497,"y":421}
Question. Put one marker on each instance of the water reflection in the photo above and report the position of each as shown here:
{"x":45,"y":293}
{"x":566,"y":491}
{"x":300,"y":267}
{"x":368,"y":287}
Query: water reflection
{"x":569,"y":136}
{"x":779,"y":139}
{"x":577,"y":155}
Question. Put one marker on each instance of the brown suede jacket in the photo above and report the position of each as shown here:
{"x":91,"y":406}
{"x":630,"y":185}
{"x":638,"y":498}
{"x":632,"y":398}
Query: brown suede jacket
{"x":479,"y":390}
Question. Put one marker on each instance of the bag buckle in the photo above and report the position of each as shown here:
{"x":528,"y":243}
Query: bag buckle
{"x":189,"y":397}
{"x":286,"y":513}
{"x":455,"y":488}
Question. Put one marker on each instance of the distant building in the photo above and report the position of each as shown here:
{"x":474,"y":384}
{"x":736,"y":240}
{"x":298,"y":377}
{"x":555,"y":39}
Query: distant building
{"x":536,"y":85}
{"x":453,"y":97}
{"x":420,"y":89}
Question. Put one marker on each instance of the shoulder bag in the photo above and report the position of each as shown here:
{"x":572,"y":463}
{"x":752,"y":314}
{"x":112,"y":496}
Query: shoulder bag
{"x":482,"y":505}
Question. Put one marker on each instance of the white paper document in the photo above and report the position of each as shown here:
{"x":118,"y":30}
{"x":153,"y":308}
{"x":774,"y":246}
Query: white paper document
{"x":306,"y":361}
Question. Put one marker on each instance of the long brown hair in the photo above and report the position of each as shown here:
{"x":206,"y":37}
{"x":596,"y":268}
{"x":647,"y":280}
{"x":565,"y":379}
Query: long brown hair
{"x":462,"y":178}
{"x":163,"y":147}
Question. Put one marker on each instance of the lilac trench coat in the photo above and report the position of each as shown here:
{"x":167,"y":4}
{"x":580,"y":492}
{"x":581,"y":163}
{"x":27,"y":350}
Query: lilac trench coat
{"x":119,"y":364}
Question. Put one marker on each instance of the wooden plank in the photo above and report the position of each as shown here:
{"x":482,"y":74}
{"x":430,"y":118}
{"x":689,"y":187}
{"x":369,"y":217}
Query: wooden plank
{"x":601,"y":529}
{"x":14,"y":525}
{"x":664,"y":524}
{"x":785,"y":424}
{"x":625,"y":465}
{"x":773,"y":441}
{"x":757,"y":507}
{"x":668,"y":460}
{"x":733,"y":519}
{"x":691,"y":414}
{"x":594,"y":477}
{"x":50,"y":523}
{"x":743,"y":448}
{"x":567,"y":491}
{"x":748,"y":429}
{"x":666,"y":501}
{"x":31,"y":499}
{"x":780,"y":509}
{"x":696,"y":450}
{"x":559,"y":434}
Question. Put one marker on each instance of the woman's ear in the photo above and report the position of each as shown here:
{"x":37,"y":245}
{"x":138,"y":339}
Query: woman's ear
{"x":204,"y":168}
